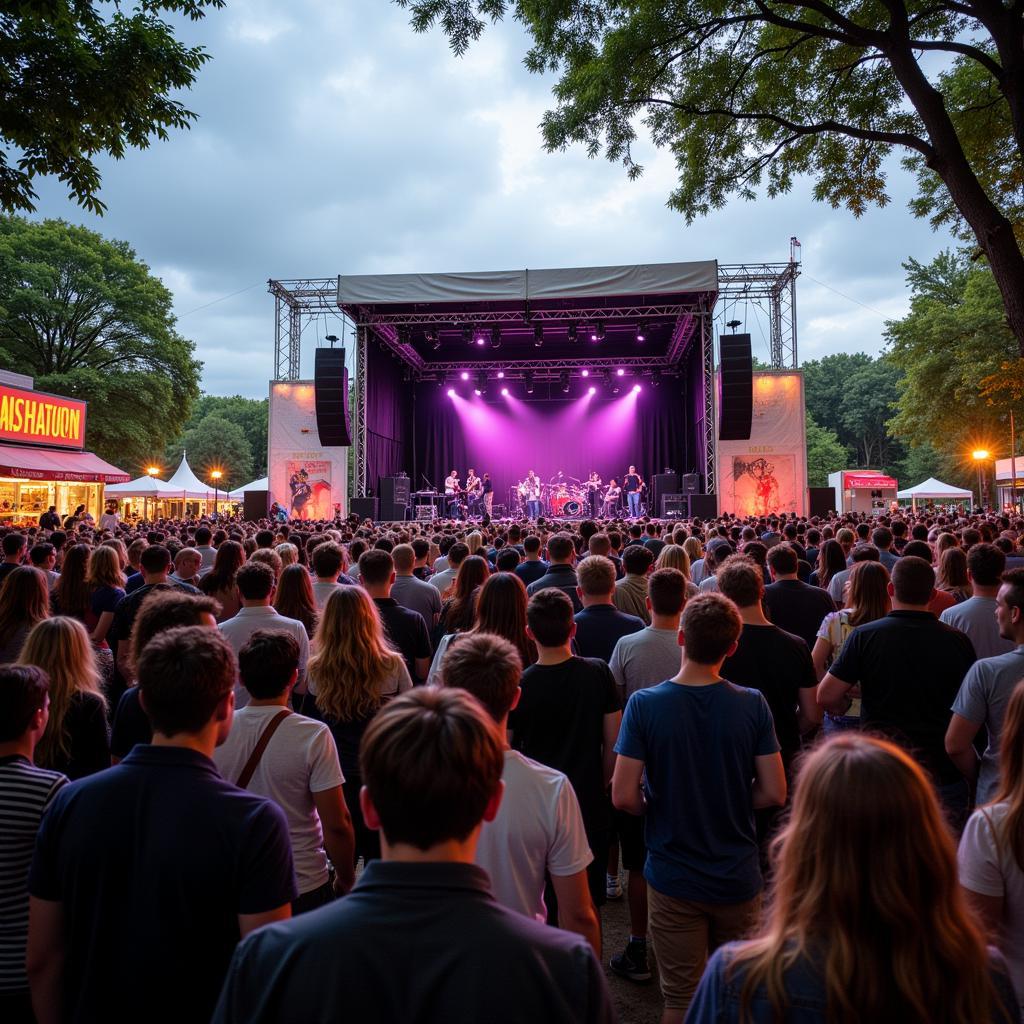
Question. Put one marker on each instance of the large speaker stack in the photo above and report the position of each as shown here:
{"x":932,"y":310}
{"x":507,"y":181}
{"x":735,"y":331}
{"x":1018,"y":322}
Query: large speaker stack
{"x":255,"y":505}
{"x":662,"y":484}
{"x":394,"y":498}
{"x":330,"y":384}
{"x":736,"y":387}
{"x":365,"y":508}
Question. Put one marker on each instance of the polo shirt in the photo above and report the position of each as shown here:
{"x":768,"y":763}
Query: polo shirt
{"x":561,"y":576}
{"x":407,"y":630}
{"x":798,"y":608}
{"x":415,"y":942}
{"x":909,"y":667}
{"x":153,"y":861}
{"x":600,"y":627}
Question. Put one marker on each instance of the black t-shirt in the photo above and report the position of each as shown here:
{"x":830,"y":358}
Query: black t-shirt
{"x":909,"y":667}
{"x":779,"y":665}
{"x":131,"y":725}
{"x":407,"y":631}
{"x":560,"y":722}
{"x":6,"y":568}
{"x":85,"y":725}
{"x":488,"y":486}
{"x":599,"y":628}
{"x":631,"y":483}
{"x":798,"y":608}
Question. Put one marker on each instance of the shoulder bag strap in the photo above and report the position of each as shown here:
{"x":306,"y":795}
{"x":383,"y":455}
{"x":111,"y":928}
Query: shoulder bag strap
{"x":254,"y":758}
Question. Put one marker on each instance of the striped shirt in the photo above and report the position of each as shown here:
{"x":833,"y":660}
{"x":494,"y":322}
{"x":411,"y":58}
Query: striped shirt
{"x":25,"y":792}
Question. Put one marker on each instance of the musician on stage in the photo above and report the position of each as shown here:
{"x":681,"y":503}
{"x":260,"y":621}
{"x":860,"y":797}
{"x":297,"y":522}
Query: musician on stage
{"x":611,"y":499}
{"x":532,"y":493}
{"x":451,"y":494}
{"x":488,"y":486}
{"x":631,"y":484}
{"x":474,"y":493}
{"x":594,"y":494}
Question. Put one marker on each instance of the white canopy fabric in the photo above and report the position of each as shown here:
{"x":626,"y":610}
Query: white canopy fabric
{"x":523,"y":285}
{"x":263,"y":484}
{"x":143,"y":487}
{"x":188,"y":485}
{"x":932,"y":488}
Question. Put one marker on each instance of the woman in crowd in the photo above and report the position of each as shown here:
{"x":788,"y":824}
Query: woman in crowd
{"x":459,"y":611}
{"x":76,"y":741}
{"x":952,"y":576}
{"x":71,"y":593}
{"x":294,"y":597}
{"x":288,"y":553}
{"x":501,"y":610}
{"x":992,"y":849}
{"x":106,"y":589}
{"x":867,"y":921}
{"x":24,"y":601}
{"x":351,"y":674}
{"x":695,"y":552}
{"x":219,"y":582}
{"x":867,"y":599}
{"x":831,"y":560}
{"x":674,"y":556}
{"x":122,"y":551}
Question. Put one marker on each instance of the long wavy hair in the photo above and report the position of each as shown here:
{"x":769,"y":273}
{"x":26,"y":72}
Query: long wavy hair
{"x":229,"y":559}
{"x":831,"y":560}
{"x":294,"y":597}
{"x":460,"y":610}
{"x":104,"y":569}
{"x":1010,"y":834}
{"x":352,"y":658}
{"x":693,"y":548}
{"x":71,"y":594}
{"x":952,"y":574}
{"x":868,"y":594}
{"x":501,"y":610}
{"x":60,"y":647}
{"x":24,"y":600}
{"x":866,"y":888}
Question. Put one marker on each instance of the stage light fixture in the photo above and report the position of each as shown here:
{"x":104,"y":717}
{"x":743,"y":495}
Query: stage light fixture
{"x":332,"y":338}
{"x":573,"y":333}
{"x":538,"y":335}
{"x":616,"y":388}
{"x":606,"y":378}
{"x":495,"y":336}
{"x":504,"y":391}
{"x":656,"y":379}
{"x":641,"y":337}
{"x":451,"y":392}
{"x":434,"y":339}
{"x":501,"y":375}
{"x":620,"y":372}
{"x":586,"y":373}
{"x":467,"y":334}
{"x":598,"y":332}
{"x":464,"y":375}
{"x":636,"y":388}
{"x":529,"y":383}
{"x":591,"y":390}
{"x":481,"y":340}
{"x":564,"y":381}
{"x":481,"y":382}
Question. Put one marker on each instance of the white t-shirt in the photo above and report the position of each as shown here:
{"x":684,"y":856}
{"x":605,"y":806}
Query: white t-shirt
{"x":300,"y":760}
{"x":538,"y":828}
{"x":991,"y":870}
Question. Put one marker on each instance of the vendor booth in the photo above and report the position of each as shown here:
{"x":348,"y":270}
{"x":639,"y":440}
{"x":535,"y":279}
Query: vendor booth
{"x":1009,"y":491}
{"x":864,"y":491}
{"x":935,"y":492}
{"x":42,"y":458}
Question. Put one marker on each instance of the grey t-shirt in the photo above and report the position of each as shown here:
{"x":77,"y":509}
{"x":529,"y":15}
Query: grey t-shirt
{"x":645,"y":659}
{"x":982,"y":699}
{"x":421,"y":597}
{"x":977,"y":618}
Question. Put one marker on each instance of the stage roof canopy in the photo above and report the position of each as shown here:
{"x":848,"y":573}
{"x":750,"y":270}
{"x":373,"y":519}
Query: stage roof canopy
{"x":438,"y":322}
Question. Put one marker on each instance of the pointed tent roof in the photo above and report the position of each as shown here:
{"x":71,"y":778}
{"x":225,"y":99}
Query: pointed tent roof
{"x":932,"y":488}
{"x":143,"y":487}
{"x":186,"y":483}
{"x":263,"y":484}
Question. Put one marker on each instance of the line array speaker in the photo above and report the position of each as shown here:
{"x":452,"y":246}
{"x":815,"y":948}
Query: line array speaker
{"x":735,"y":387}
{"x":330,"y":385}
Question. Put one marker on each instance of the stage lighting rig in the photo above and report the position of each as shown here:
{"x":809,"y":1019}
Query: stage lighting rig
{"x":573,"y":333}
{"x":563,"y":379}
{"x":467,"y":334}
{"x":481,"y":382}
{"x":641,"y":336}
{"x":529,"y":383}
{"x":598,"y":332}
{"x":495,"y":336}
{"x":538,"y":335}
{"x":434,"y":339}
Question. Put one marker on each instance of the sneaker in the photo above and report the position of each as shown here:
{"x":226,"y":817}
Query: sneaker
{"x":612,"y":887}
{"x":632,"y":963}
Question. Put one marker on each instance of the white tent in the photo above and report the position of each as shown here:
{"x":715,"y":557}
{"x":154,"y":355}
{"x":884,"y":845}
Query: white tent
{"x":263,"y":484}
{"x":188,"y":485}
{"x":935,"y":490}
{"x":143,"y":487}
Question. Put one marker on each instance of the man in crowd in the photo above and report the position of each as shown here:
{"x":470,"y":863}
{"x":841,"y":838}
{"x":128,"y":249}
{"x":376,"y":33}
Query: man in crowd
{"x":568,"y":719}
{"x":715,"y":554}
{"x":421,"y":549}
{"x":145,"y":875}
{"x":909,"y":667}
{"x":687,"y":753}
{"x":601,"y":544}
{"x":404,"y":627}
{"x":328,"y":564}
{"x":532,"y":567}
{"x":977,"y":616}
{"x":600,"y":624}
{"x":882,"y":538}
{"x":560,"y":573}
{"x":444,"y":579}
{"x":49,"y":520}
{"x":796,"y":607}
{"x":538,"y":829}
{"x":14,"y":546}
{"x":204,"y":545}
{"x":43,"y":557}
{"x":432,"y":761}
{"x":298,"y":770}
{"x":986,"y":690}
{"x":187,"y":565}
{"x":631,"y":591}
{"x":837,"y":585}
{"x":410,"y":592}
{"x":256,"y":588}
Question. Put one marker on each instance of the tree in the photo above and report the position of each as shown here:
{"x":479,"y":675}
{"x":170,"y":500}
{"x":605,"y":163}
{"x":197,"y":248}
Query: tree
{"x":825,"y":454}
{"x":87,"y":319}
{"x":249,"y":413}
{"x":215,"y":443}
{"x":81,"y":78}
{"x":752,"y":92}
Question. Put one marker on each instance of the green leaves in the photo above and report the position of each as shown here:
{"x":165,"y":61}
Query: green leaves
{"x":250,"y":414}
{"x":215,"y":443}
{"x":824,"y":454}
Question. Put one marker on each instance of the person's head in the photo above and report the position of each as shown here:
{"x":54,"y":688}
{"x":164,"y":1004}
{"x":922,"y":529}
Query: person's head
{"x":431,"y":762}
{"x":831,"y":560}
{"x":501,"y":611}
{"x":507,"y":560}
{"x":60,"y":647}
{"x":294,"y":598}
{"x":952,"y":574}
{"x":376,"y":570}
{"x":637,"y":560}
{"x":488,"y":667}
{"x":255,"y":582}
{"x":741,"y":580}
{"x":985,"y":563}
{"x":717,"y":552}
{"x":711,"y":627}
{"x":919,"y":549}
{"x":404,"y":558}
{"x":473,"y":571}
{"x":693,"y":548}
{"x":104,"y":569}
{"x":882,"y":538}
{"x":328,"y":561}
{"x":457,"y":554}
{"x":531,"y":545}
{"x":135,"y":550}
{"x":846,"y":538}
{"x":596,"y":576}
{"x":913,"y":582}
{"x":203,"y":536}
{"x":549,"y":616}
{"x":1009,"y":606}
{"x":666,"y":593}
{"x":24,"y":703}
{"x":288,"y":553}
{"x":43,"y":556}
{"x":187,"y":562}
{"x":155,"y":561}
{"x":866,"y":852}
{"x":561,"y":549}
{"x":599,"y":544}
{"x":782,"y":561}
{"x":14,"y":546}
{"x":186,"y":682}
{"x":674,"y":556}
{"x":268,"y":663}
{"x":475,"y":541}
{"x":421,"y":548}
{"x":264,"y":538}
{"x":167,"y":608}
{"x":867,"y":592}
{"x":24,"y":598}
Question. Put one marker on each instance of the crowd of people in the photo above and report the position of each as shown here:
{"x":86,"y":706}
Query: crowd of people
{"x":253,"y":772}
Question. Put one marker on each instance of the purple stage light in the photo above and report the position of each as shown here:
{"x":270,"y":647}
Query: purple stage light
{"x":480,"y":341}
{"x":593,"y":337}
{"x":591,"y":390}
{"x":620,"y":372}
{"x":586,"y":373}
{"x":641,"y":338}
{"x":477,"y":392}
{"x":451,"y":392}
{"x":501,"y":375}
{"x":504,"y":391}
{"x":465,"y":375}
{"x":636,"y":388}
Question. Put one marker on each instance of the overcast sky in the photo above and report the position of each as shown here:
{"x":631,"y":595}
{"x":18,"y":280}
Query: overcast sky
{"x":332,"y":139}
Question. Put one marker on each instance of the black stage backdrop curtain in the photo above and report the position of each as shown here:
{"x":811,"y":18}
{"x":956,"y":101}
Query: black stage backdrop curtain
{"x":506,"y":437}
{"x":388,"y":417}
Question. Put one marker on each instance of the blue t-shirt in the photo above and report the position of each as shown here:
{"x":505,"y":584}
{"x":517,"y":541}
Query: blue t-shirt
{"x":698,"y":745}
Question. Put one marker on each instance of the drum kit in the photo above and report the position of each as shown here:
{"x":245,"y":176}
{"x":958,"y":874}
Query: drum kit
{"x":567,"y":498}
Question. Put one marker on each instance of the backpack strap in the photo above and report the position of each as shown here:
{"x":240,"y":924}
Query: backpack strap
{"x":261,"y":745}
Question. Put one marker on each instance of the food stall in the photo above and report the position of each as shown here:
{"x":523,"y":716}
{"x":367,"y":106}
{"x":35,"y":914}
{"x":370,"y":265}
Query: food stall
{"x":865,"y":491}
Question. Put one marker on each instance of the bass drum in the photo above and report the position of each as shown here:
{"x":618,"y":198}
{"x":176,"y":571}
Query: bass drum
{"x":558,"y":505}
{"x":572,"y":508}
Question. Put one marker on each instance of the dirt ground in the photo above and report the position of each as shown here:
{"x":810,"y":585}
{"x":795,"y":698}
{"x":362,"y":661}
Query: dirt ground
{"x":634,"y":1004}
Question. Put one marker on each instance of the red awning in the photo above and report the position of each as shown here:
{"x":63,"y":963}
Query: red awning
{"x":48,"y":464}
{"x":869,"y":480}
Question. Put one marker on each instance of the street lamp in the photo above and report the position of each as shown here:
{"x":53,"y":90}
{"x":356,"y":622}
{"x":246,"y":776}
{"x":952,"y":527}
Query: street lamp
{"x":981,"y":456}
{"x":215,"y":475}
{"x":152,"y":472}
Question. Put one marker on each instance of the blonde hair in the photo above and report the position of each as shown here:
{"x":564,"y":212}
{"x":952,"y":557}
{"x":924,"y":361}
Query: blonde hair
{"x":693,"y":548}
{"x":674,"y":556}
{"x":352,"y":659}
{"x":118,"y":545}
{"x":474,"y":542}
{"x":60,"y":647}
{"x":104,"y":569}
{"x":288,"y":553}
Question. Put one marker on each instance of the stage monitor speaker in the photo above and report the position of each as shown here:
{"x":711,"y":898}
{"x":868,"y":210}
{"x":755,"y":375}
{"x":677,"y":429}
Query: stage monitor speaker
{"x":704,"y":506}
{"x":674,"y":506}
{"x":255,"y":505}
{"x":365,"y":508}
{"x":330,"y":386}
{"x":663,"y":483}
{"x":394,"y":490}
{"x":821,"y":500}
{"x":690,"y":483}
{"x":735,"y":387}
